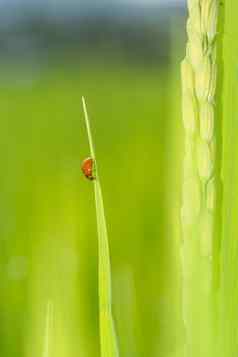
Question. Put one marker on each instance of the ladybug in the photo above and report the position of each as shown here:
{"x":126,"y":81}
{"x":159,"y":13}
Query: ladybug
{"x":88,"y":168}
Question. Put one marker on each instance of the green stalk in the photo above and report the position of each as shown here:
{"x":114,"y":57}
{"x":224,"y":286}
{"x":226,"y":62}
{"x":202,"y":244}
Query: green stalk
{"x":108,"y":341}
{"x":48,"y":326}
{"x":199,"y":176}
{"x":229,"y":247}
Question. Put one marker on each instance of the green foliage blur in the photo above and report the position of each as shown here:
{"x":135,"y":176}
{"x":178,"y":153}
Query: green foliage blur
{"x":48,"y":240}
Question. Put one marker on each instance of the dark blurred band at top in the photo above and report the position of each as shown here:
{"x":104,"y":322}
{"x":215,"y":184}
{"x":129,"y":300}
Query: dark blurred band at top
{"x":137,"y":32}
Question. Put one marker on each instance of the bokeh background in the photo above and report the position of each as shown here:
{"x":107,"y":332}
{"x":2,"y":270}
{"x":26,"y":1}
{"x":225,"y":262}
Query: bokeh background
{"x":124,"y":57}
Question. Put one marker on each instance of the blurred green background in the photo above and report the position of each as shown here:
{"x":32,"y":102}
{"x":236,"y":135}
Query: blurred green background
{"x":124,"y":58}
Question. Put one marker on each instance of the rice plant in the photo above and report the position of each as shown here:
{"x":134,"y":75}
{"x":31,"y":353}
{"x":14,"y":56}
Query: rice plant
{"x":200,"y":176}
{"x":48,"y":261}
{"x":108,"y":341}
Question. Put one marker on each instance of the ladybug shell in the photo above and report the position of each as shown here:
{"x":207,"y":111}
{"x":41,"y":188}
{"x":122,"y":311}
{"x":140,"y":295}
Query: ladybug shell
{"x":87,"y":168}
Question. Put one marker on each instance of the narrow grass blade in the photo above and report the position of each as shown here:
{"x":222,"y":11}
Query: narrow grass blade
{"x":108,"y":341}
{"x":48,"y":322}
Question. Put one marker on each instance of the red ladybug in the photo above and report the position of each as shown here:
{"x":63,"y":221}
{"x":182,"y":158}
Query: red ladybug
{"x":88,"y":168}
